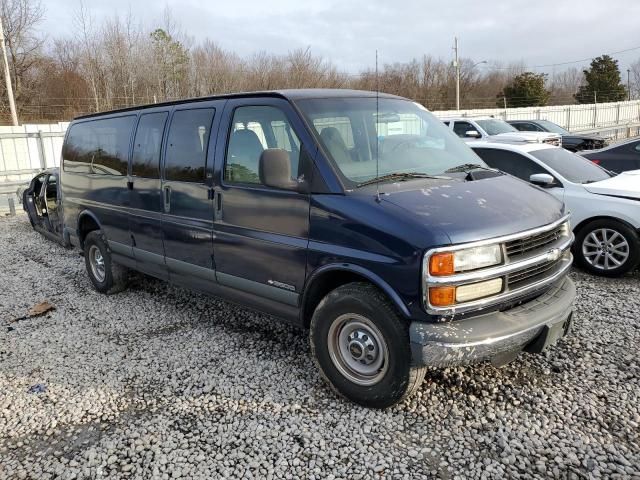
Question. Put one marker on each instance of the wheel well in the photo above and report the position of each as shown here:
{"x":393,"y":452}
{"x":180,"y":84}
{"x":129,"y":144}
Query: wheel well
{"x":86,"y":224}
{"x":585,"y":222}
{"x":324,"y":284}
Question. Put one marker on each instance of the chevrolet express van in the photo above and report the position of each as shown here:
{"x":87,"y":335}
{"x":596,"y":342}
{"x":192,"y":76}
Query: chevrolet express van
{"x":355,"y":215}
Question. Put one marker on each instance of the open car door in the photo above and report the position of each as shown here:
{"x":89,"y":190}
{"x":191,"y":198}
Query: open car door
{"x":42,"y":203}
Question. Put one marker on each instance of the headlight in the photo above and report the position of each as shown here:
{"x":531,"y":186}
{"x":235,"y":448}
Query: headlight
{"x":448,"y":263}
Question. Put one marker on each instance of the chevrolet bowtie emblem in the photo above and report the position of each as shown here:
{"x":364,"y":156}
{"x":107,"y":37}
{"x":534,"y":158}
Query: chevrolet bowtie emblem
{"x":554,"y":254}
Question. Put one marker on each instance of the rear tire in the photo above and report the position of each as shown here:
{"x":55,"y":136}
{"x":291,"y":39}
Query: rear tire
{"x":361,"y":346}
{"x":607,"y":247}
{"x":105,"y":275}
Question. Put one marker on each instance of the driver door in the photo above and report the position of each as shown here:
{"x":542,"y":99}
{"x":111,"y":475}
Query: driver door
{"x":260,"y":233}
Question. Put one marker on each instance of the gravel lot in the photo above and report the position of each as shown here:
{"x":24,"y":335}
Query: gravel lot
{"x":161,"y":382}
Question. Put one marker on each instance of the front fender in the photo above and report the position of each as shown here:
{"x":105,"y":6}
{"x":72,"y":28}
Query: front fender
{"x":363,"y":272}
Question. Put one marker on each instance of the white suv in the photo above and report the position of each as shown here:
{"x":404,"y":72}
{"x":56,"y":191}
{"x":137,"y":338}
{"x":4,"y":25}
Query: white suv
{"x":605,"y":208}
{"x":496,"y":130}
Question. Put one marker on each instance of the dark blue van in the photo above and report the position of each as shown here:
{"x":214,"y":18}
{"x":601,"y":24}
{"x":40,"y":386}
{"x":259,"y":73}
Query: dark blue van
{"x":358,"y":216}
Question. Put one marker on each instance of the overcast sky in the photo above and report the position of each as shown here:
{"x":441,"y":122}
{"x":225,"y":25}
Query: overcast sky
{"x":348,"y":32}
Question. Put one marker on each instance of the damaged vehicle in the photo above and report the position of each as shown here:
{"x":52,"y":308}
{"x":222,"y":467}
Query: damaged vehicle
{"x":605,"y":207}
{"x":41,"y":201}
{"x":357,"y":216}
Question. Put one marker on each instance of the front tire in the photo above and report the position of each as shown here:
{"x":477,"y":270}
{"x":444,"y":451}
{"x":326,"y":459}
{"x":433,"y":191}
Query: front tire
{"x":106,"y":276}
{"x":607,"y":247}
{"x":361,"y":347}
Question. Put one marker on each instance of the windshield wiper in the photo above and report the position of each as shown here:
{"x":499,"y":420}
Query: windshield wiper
{"x":401,"y":175}
{"x":465,"y":167}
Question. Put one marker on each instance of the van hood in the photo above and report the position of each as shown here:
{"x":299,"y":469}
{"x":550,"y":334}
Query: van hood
{"x":475,"y":210}
{"x":529,"y":137}
{"x":625,"y":184}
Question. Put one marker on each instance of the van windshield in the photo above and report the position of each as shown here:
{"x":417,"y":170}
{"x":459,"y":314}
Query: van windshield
{"x":401,"y":135}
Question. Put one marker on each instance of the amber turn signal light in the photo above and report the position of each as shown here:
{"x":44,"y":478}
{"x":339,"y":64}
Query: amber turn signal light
{"x":441,"y":264}
{"x":442,"y":296}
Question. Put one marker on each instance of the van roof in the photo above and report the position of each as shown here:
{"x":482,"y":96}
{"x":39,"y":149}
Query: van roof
{"x":289,"y":94}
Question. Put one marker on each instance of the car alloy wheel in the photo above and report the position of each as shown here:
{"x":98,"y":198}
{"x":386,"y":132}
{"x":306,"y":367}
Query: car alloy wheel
{"x":605,"y":249}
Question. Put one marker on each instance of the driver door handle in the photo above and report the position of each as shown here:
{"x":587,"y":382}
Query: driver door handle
{"x":167,"y":199}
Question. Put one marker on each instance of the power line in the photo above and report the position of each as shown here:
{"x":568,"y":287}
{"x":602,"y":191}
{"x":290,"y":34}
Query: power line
{"x":561,"y":63}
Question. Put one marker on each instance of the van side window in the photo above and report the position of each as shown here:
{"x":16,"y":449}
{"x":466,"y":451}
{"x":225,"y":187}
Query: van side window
{"x":187,"y":145}
{"x":146,"y":146}
{"x":510,"y":162}
{"x":99,"y":146}
{"x":255,"y":129}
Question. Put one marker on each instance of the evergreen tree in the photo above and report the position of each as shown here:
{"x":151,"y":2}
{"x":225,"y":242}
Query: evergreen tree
{"x":602,"y":82}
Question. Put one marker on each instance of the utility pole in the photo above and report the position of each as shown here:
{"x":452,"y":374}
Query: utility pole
{"x":7,"y":78}
{"x":456,"y":64}
{"x":629,"y":83}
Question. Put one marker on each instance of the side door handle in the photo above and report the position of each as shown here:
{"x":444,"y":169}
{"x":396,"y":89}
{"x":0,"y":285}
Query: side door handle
{"x":167,"y":199}
{"x":217,"y":213}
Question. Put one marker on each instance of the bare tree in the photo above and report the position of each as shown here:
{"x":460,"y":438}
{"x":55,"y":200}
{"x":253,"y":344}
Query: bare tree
{"x":635,"y":79}
{"x":20,"y":19}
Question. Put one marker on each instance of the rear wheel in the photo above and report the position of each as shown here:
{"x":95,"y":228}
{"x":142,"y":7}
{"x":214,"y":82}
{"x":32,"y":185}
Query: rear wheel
{"x":361,"y":346}
{"x":106,"y":276}
{"x":607,"y":247}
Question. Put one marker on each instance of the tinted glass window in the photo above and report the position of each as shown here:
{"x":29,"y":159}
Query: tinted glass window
{"x":571,"y":166}
{"x":461,"y":128}
{"x":526,"y":127}
{"x":147,"y":144}
{"x":187,"y":144}
{"x":510,"y":162}
{"x":256,"y":129}
{"x":98,"y":146}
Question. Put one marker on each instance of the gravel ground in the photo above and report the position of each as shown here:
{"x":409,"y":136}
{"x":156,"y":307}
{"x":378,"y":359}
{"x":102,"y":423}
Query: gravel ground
{"x":159,"y":382}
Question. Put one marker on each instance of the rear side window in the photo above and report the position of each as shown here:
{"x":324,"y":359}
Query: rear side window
{"x":99,"y":146}
{"x":147,"y":144}
{"x":187,"y":144}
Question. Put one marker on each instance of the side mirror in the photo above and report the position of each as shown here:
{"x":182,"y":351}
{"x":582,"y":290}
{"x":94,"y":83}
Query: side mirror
{"x":275,"y":169}
{"x":543,"y":180}
{"x":472,"y":134}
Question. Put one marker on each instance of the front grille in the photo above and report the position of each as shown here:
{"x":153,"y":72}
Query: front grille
{"x":531,"y":274}
{"x":521,"y":246}
{"x":533,"y":260}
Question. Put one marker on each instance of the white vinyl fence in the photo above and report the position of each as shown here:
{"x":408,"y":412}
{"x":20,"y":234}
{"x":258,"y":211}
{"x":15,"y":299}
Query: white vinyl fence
{"x":27,"y":149}
{"x":575,"y":118}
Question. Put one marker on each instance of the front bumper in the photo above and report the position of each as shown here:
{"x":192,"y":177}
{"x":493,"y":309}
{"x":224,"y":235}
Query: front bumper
{"x":496,"y":336}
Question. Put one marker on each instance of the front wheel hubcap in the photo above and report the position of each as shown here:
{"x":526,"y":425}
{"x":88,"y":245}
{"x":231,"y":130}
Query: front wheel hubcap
{"x":358,"y":349}
{"x":605,"y":249}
